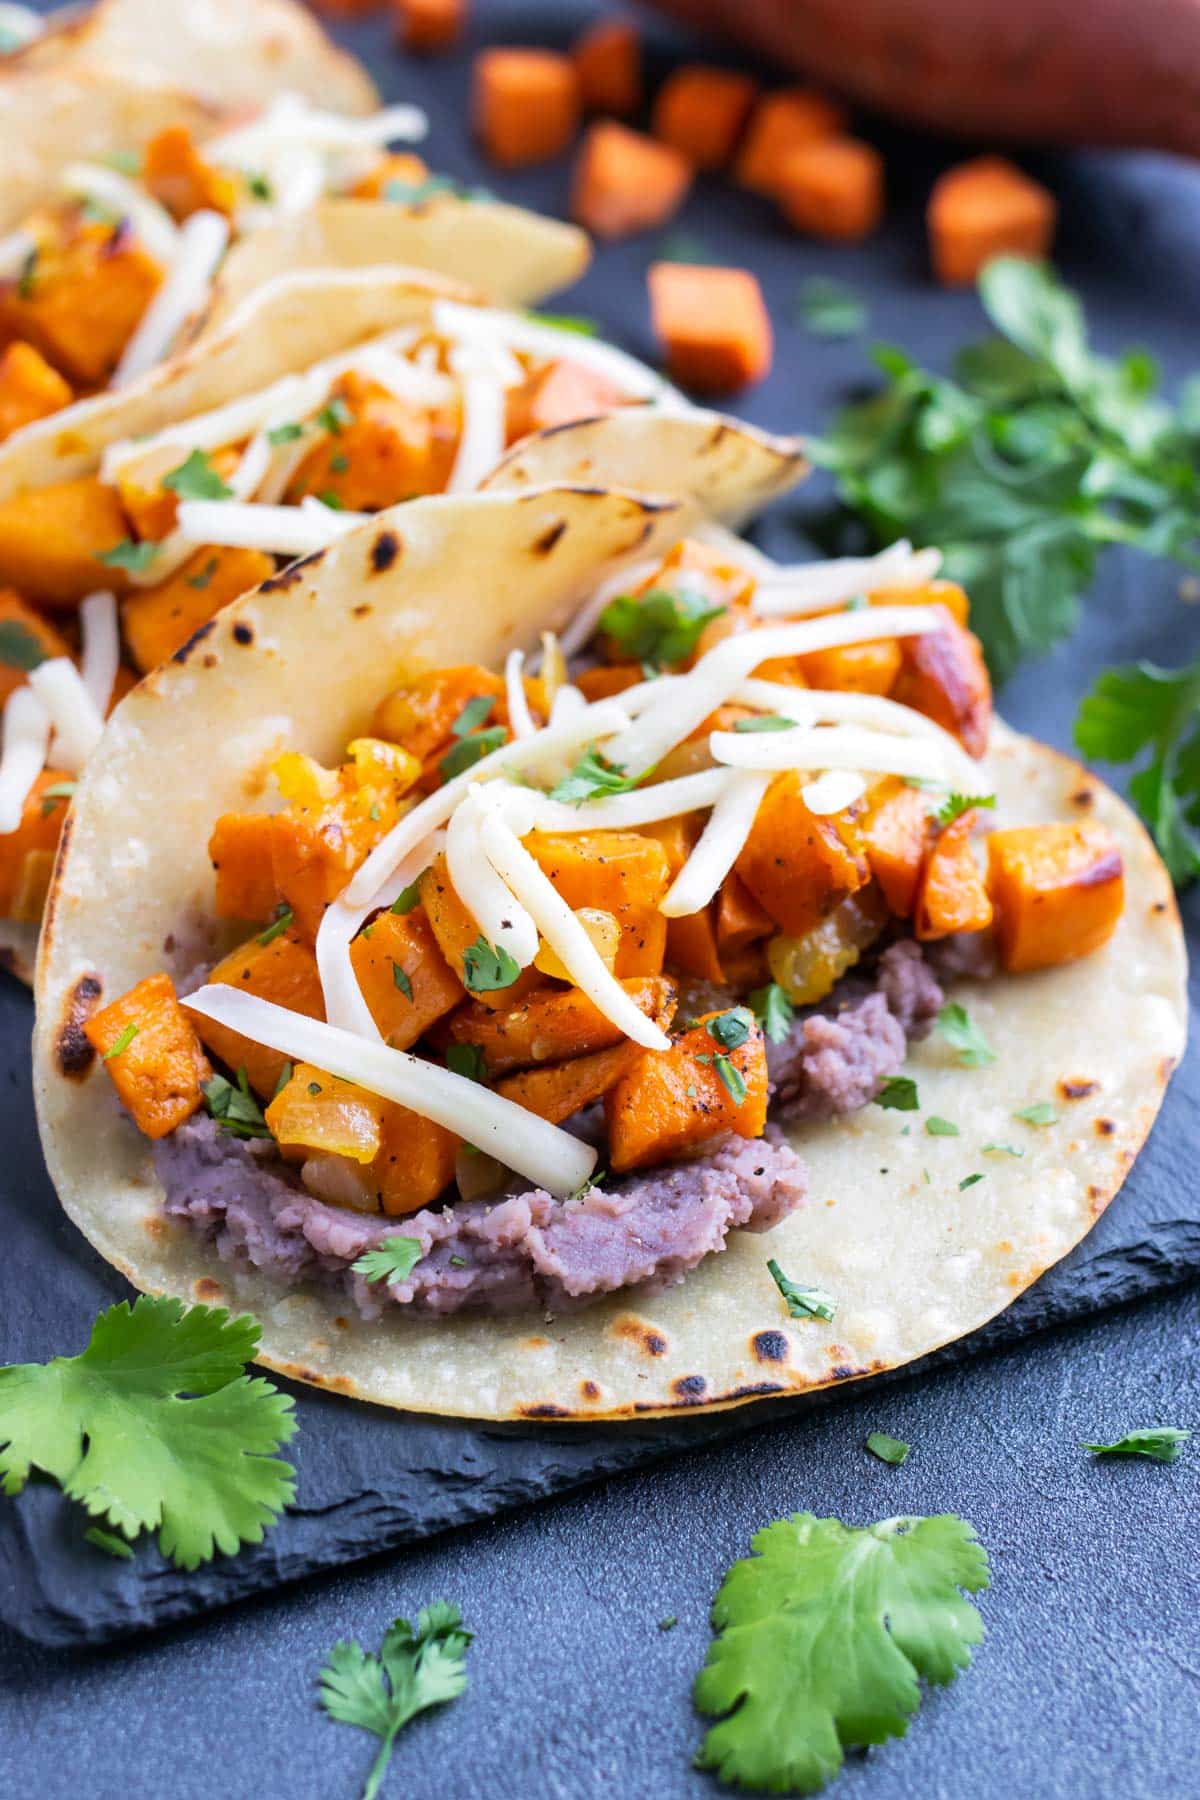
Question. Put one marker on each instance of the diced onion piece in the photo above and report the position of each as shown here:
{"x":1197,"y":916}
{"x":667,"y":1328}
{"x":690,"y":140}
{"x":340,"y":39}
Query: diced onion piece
{"x":243,"y":525}
{"x":564,"y":933}
{"x":833,"y":792}
{"x":543,"y":1153}
{"x":718,"y":847}
{"x":714,"y":678}
{"x":101,"y":641}
{"x":629,"y":812}
{"x":479,"y":326}
{"x":78,"y":725}
{"x":519,"y":716}
{"x":23,"y":747}
{"x":340,"y":924}
{"x":152,"y":223}
{"x":810,"y":587}
{"x":501,"y":918}
{"x":15,"y":251}
{"x":830,"y":747}
{"x":200,"y":247}
{"x":481,"y":439}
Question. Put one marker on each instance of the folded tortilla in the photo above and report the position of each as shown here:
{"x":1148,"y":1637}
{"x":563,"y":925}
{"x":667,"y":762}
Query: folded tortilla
{"x":914,"y":1254}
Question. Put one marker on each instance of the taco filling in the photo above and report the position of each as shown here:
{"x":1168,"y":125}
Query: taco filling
{"x":539,"y":971}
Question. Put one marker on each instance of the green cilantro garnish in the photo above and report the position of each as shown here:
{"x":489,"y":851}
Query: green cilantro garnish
{"x":279,"y":924}
{"x":122,"y":1043}
{"x":206,"y":574}
{"x":888,"y":1449}
{"x":468,"y":1060}
{"x":27,"y":280}
{"x":1161,"y":1443}
{"x":126,"y":162}
{"x":475,"y":713}
{"x":1002,"y":1150}
{"x":458,"y":1262}
{"x":285,"y":1075}
{"x":487,"y":967}
{"x":802,"y":1302}
{"x":954,"y":1023}
{"x":669,"y":1623}
{"x":731,"y":1078}
{"x":830,"y":309}
{"x":19,"y":648}
{"x":287,"y":433}
{"x":823,"y":1635}
{"x":765,"y":722}
{"x":592,"y":776}
{"x":470,"y":750}
{"x":940,"y":1127}
{"x":335,"y":415}
{"x":407,"y":898}
{"x":333,"y":501}
{"x":113,"y":1428}
{"x":109,"y":1542}
{"x":259,"y":188}
{"x":968,"y":1181}
{"x":196,"y":479}
{"x":898,"y":1094}
{"x":572,"y":322}
{"x":401,"y":981}
{"x":234,"y":1107}
{"x":393,"y":1259}
{"x":130,"y":555}
{"x":1025,"y":467}
{"x":954,"y":805}
{"x":1040,"y":1113}
{"x":339,"y":464}
{"x":1144,"y":708}
{"x":659,"y":628}
{"x":773,"y":1010}
{"x":731,"y":1029}
{"x":60,"y":790}
{"x":415,"y":1669}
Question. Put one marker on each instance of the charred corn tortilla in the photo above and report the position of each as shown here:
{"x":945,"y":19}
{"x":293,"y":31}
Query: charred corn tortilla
{"x":913,"y":1259}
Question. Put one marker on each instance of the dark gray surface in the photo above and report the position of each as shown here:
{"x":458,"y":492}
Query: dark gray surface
{"x":1089,"y":1678}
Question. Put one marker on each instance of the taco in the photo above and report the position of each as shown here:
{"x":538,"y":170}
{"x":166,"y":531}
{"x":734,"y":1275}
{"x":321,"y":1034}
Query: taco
{"x":369,"y":950}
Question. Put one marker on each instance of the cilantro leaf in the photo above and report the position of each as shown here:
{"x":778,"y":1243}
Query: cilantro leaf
{"x":234,"y":1107}
{"x":467,"y":1060}
{"x":113,"y":1428}
{"x":58,"y":790}
{"x":279,"y":924}
{"x":471,"y":749}
{"x":765,"y":722}
{"x":415,"y":1669}
{"x":206,"y":574}
{"x":954,"y":1023}
{"x":130,"y":555}
{"x":1002,"y":1150}
{"x":19,"y":648}
{"x":1143,"y":708}
{"x":196,"y":479}
{"x":573,"y":322}
{"x":730,"y":1029}
{"x":401,"y":981}
{"x":830,"y":309}
{"x":969,"y":1181}
{"x":407,"y":898}
{"x":823,"y":1636}
{"x":487,"y":967}
{"x":121,"y":1043}
{"x":888,"y":1449}
{"x":286,"y":433}
{"x":1040,"y":1113}
{"x":898,"y":1094}
{"x":394,"y":1259}
{"x":954,"y":805}
{"x":658,"y":628}
{"x":1161,"y":1443}
{"x":773,"y":1010}
{"x":940,"y":1127}
{"x":475,"y":713}
{"x":592,"y":776}
{"x":730,"y":1077}
{"x":802,"y":1302}
{"x":335,"y":415}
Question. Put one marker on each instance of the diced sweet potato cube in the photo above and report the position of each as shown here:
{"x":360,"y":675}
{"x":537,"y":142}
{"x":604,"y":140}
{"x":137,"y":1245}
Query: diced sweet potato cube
{"x":951,"y":895}
{"x":712,"y":324}
{"x":524,"y":105}
{"x":869,"y":668}
{"x":701,"y":112}
{"x":563,"y":1089}
{"x":605,"y":680}
{"x":832,"y":189}
{"x":399,"y":167}
{"x":944,"y":676}
{"x":240,"y":852}
{"x":81,"y":301}
{"x":741,"y":921}
{"x":322,"y":1113}
{"x":985,"y":208}
{"x":625,"y":182}
{"x":1058,"y":891}
{"x":51,"y":539}
{"x":415,"y":1163}
{"x":29,"y":388}
{"x":425,"y":27}
{"x":283,"y":970}
{"x":405,"y":980}
{"x":422,"y":713}
{"x":557,"y":394}
{"x":894,"y":834}
{"x":41,"y":823}
{"x":672,"y":1101}
{"x":455,"y":931}
{"x":26,"y":639}
{"x":158,"y":621}
{"x":608,"y":62}
{"x":181,"y":180}
{"x":929,"y":593}
{"x":796,"y":863}
{"x":552,"y":1025}
{"x":383,"y":450}
{"x":780,"y":122}
{"x":620,"y":872}
{"x":33,"y":886}
{"x":153,"y":1054}
{"x":691,"y":945}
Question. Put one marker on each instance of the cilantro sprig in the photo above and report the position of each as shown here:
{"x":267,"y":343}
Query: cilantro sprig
{"x":197,"y":479}
{"x":830,"y":309}
{"x":1160,"y":1443}
{"x":591,"y":778}
{"x":234,"y":1107}
{"x":393,"y":1259}
{"x":964,"y":1036}
{"x":802,"y":1302}
{"x":1140,"y":709}
{"x":487,"y":967}
{"x":155,"y":1426}
{"x":773,"y":1010}
{"x":657,"y":629}
{"x":19,"y":648}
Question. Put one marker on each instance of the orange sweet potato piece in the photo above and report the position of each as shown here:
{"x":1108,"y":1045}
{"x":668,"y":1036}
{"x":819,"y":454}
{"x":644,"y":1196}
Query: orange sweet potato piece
{"x":741,"y":921}
{"x":779,"y":123}
{"x":985,"y":208}
{"x":38,"y":833}
{"x":605,"y":680}
{"x":80,"y":302}
{"x":387,"y":450}
{"x":869,"y":668}
{"x":25,"y":639}
{"x":455,"y":931}
{"x":322,"y":1113}
{"x":929,"y":593}
{"x":153,"y":1054}
{"x":951,"y":895}
{"x":1058,"y":891}
{"x":608,"y":62}
{"x":415,"y":1162}
{"x":832,"y":188}
{"x":181,"y":180}
{"x":557,"y":394}
{"x":157,"y":621}
{"x":621,"y":872}
{"x":399,"y":166}
{"x":240,"y":852}
{"x":51,"y":538}
{"x":943,"y":675}
{"x":524,"y":105}
{"x":283,"y":970}
{"x":797,"y":864}
{"x":691,"y":945}
{"x":405,"y":980}
{"x":701,"y":112}
{"x":552,"y":1025}
{"x":672,"y":1101}
{"x":425,"y":27}
{"x":625,"y":182}
{"x":29,"y":388}
{"x":152,"y":507}
{"x":560,"y":1090}
{"x":894,"y":834}
{"x":421,"y":713}
{"x":712,"y":325}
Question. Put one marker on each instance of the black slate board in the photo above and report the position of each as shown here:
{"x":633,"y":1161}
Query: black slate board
{"x":369,"y":1480}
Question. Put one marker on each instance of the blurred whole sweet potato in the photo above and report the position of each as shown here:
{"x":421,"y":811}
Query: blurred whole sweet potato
{"x":1107,"y":71}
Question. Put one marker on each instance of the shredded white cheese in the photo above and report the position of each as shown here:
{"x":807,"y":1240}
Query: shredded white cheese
{"x":101,"y":648}
{"x":476,"y":326}
{"x":718,"y":847}
{"x":340,"y":924}
{"x":200,"y":247}
{"x":481,"y":438}
{"x":152,"y":223}
{"x":829,"y":747}
{"x":291,"y":122}
{"x":811,"y":587}
{"x":519,"y":716}
{"x":76,"y":719}
{"x":504,"y":922}
{"x":15,"y":251}
{"x":283,"y":530}
{"x":629,"y":812}
{"x":833,"y":792}
{"x":23,"y":747}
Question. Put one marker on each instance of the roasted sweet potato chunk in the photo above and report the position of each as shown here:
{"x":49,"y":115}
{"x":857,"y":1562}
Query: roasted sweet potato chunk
{"x":51,"y":539}
{"x":415,"y":1162}
{"x":556,"y":394}
{"x":421,"y":714}
{"x":181,"y":180}
{"x":405,"y":980}
{"x":552,"y":1025}
{"x":455,"y":931}
{"x":621,"y":872}
{"x":326,"y":1115}
{"x":240,"y":852}
{"x":797,"y":864}
{"x":672,"y":1101}
{"x":1058,"y":891}
{"x":29,"y":388}
{"x":80,"y":301}
{"x":160,"y":620}
{"x":951,"y":895}
{"x":36,"y":836}
{"x":283,"y":970}
{"x":565,"y":1088}
{"x":894,"y":834}
{"x":869,"y":668}
{"x":151,"y":1050}
{"x":381,"y":451}
{"x":944,"y":676}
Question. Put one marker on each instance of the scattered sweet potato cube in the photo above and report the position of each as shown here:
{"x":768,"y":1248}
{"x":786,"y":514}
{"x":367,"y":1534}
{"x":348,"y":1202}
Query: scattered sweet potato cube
{"x":832,"y":188}
{"x":1058,"y":891}
{"x":625,"y":182}
{"x":608,"y":61}
{"x":426,"y":26}
{"x":894,"y":835}
{"x":557,"y":1092}
{"x":984,"y":208}
{"x":620,"y":872}
{"x":525,"y":105}
{"x":929,"y":593}
{"x":701,"y":112}
{"x":712,"y":324}
{"x":51,"y":539}
{"x":556,"y":394}
{"x":868,"y":668}
{"x":415,"y":1162}
{"x":30,"y":388}
{"x":779,"y":123}
{"x":153,"y":1054}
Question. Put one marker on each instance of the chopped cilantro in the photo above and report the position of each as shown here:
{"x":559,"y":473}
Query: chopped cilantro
{"x":1161,"y":1443}
{"x":112,"y":1426}
{"x":731,"y":1029}
{"x":415,"y":1669}
{"x":234,"y":1107}
{"x":393,"y":1259}
{"x":475,"y":713}
{"x":287,"y":433}
{"x":333,"y":501}
{"x":684,"y":247}
{"x":206,"y":574}
{"x":467,"y":1060}
{"x":339,"y":464}
{"x":1140,"y":709}
{"x":285,"y":1075}
{"x":898,"y":1094}
{"x":412,"y":193}
{"x":196,"y":479}
{"x":765,"y":722}
{"x":19,"y":648}
{"x":279,"y":924}
{"x":954,"y":805}
{"x":968,"y":1181}
{"x":731,"y":1078}
{"x":470,"y":750}
{"x":1002,"y":1150}
{"x":592,"y":776}
{"x":335,"y":415}
{"x":1040,"y":1113}
{"x":59,"y":790}
{"x":823,"y":1635}
{"x":126,"y":162}
{"x":122,"y":1043}
{"x":27,"y":280}
{"x":130,"y":555}
{"x":458,"y":1262}
{"x":830,"y":309}
{"x":669,"y":1623}
{"x":407,"y":898}
{"x":888,"y":1449}
{"x":659,"y":628}
{"x":110,"y":1542}
{"x":940,"y":1127}
{"x":401,"y":981}
{"x":954,"y":1023}
{"x":572,"y":322}
{"x":487,"y":967}
{"x":773,"y":1010}
{"x":802,"y":1302}
{"x":259,"y":188}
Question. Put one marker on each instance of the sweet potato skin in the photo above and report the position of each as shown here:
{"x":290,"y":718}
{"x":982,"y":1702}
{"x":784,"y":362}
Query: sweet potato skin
{"x":159,"y":1071}
{"x":943,"y":675}
{"x":1058,"y":891}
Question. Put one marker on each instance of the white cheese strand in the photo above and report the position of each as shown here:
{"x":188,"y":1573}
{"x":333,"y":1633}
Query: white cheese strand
{"x":629,"y":812}
{"x":470,"y":325}
{"x":501,"y":918}
{"x":568,"y":702}
{"x":77,"y":723}
{"x":829,"y":747}
{"x":15,"y":251}
{"x":244,"y":525}
{"x":101,"y":656}
{"x":252,"y":467}
{"x":519,"y":716}
{"x":542,"y":1153}
{"x":151,"y":222}
{"x":200,"y":247}
{"x":821,"y":706}
{"x":811,"y":587}
{"x":23,"y":747}
{"x":291,"y":121}
{"x":718,"y":847}
{"x":481,"y":437}
{"x":564,"y":933}
{"x":405,"y":380}
{"x":340,"y":924}
{"x":833,"y":792}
